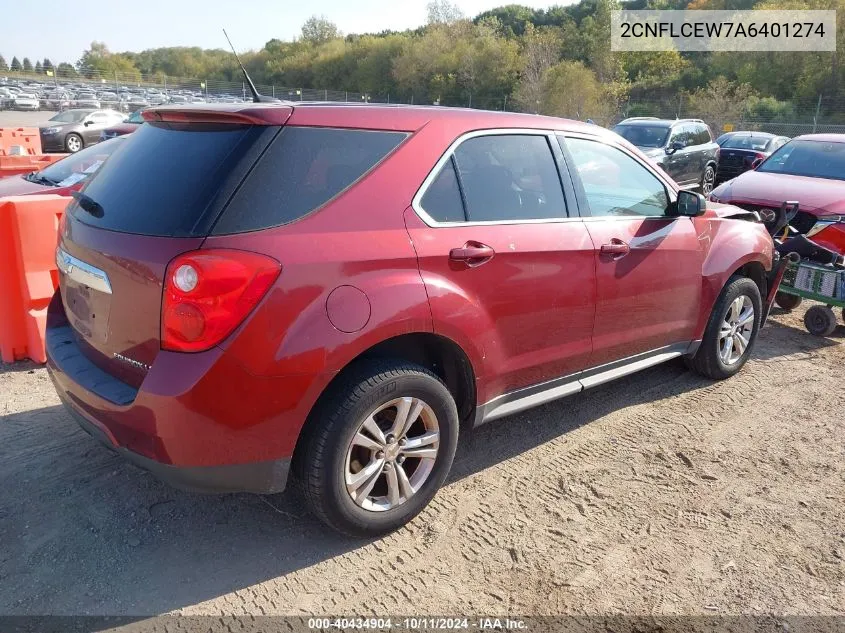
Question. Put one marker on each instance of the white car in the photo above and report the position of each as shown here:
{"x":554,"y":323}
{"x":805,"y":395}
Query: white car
{"x":26,"y":101}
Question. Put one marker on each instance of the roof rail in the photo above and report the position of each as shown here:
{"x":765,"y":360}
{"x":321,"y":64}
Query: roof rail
{"x":641,"y":118}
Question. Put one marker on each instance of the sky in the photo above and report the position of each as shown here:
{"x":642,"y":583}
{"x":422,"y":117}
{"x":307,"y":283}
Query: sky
{"x":62,"y":29}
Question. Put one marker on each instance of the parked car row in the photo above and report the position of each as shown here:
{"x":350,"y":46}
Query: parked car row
{"x":22,"y":95}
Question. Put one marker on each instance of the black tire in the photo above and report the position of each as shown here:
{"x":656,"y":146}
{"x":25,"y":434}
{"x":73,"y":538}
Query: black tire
{"x":73,"y":143}
{"x":707,"y":361}
{"x":320,"y":463}
{"x":788,"y":302}
{"x":708,"y":180}
{"x":820,"y":320}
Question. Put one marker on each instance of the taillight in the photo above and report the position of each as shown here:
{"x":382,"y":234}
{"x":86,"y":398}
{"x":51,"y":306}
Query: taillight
{"x":208,"y":293}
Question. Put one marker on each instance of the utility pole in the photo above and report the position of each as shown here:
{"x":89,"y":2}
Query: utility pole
{"x":816,"y":117}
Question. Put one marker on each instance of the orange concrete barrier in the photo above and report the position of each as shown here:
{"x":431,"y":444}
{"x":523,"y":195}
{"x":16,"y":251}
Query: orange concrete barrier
{"x":28,"y":274}
{"x":18,"y":165}
{"x":20,"y":141}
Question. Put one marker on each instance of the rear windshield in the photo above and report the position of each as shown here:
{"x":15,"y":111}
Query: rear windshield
{"x":302,"y":170}
{"x":643,"y":135}
{"x":755,"y":143}
{"x":172,"y":179}
{"x":817,"y":159}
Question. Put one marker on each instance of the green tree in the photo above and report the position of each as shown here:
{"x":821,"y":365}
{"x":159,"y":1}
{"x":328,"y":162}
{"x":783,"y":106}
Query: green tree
{"x":66,"y":70}
{"x":318,"y":30}
{"x":3,"y":65}
{"x":98,"y":61}
{"x":443,"y":12}
{"x":720,"y":102}
{"x":540,"y":51}
{"x":38,"y":68}
{"x":47,"y":65}
{"x":16,"y":65}
{"x":27,"y":65}
{"x":591,"y":99}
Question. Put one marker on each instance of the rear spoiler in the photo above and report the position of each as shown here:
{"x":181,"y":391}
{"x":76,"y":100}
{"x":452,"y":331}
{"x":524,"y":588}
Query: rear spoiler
{"x":262,"y":114}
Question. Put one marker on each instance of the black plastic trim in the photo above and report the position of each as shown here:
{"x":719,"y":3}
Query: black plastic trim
{"x":64,"y":351}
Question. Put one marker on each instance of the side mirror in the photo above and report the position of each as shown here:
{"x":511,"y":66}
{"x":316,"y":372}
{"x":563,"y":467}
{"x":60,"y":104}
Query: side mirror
{"x":674,"y":147}
{"x":87,"y":123}
{"x":756,"y":163}
{"x":690,"y":204}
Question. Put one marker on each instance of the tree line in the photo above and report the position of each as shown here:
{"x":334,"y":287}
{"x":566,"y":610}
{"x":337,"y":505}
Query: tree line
{"x":554,"y":61}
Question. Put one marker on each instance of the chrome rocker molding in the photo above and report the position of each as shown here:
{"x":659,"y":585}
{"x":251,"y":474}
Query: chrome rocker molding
{"x":533,"y":396}
{"x":81,"y":272}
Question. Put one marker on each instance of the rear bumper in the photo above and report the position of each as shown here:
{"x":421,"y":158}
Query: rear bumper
{"x":198,"y":421}
{"x":261,"y":477}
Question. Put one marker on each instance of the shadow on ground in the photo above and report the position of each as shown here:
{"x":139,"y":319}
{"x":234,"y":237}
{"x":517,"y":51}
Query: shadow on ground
{"x":82,"y":532}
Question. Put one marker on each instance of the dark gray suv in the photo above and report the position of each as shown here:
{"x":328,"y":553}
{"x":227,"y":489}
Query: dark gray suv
{"x":683,"y":148}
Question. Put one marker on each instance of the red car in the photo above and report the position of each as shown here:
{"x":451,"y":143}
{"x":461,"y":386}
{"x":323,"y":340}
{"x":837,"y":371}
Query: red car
{"x":248,"y":291}
{"x":809,"y":169}
{"x":63,"y":176}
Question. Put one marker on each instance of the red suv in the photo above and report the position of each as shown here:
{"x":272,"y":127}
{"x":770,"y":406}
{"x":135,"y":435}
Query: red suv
{"x":331,"y":290}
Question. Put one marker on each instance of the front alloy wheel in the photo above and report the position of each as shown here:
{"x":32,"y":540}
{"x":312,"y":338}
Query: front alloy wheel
{"x":392,"y":454}
{"x":736,"y":330}
{"x":731,"y":330}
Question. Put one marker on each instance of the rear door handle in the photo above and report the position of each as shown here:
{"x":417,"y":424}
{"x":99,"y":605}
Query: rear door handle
{"x":617,"y":248}
{"x":472,"y":254}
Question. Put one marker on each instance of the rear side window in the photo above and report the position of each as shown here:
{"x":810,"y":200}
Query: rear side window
{"x":171,"y":179}
{"x":509,"y":177}
{"x":442,"y":201}
{"x":302,"y":170}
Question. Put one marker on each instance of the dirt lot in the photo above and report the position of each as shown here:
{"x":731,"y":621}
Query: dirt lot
{"x":660,"y":494}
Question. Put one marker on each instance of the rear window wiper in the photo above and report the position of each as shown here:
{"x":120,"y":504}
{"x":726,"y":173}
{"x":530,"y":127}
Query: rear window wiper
{"x":87,"y":203}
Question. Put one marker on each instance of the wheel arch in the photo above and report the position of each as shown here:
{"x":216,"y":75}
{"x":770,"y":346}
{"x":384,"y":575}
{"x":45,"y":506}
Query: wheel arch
{"x":439,"y":354}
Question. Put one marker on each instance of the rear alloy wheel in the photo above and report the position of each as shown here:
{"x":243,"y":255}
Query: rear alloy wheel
{"x":377,"y":447}
{"x":787,"y":302}
{"x":73,"y":143}
{"x":731,"y":331}
{"x":820,"y":320}
{"x":708,"y":180}
{"x":392,"y":454}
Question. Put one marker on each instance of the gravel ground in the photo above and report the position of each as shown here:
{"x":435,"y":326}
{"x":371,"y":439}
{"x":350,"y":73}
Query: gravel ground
{"x":660,"y":494}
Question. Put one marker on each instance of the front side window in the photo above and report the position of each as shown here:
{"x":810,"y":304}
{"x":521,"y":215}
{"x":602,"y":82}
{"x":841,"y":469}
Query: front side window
{"x":614,"y":183}
{"x":702,"y":134}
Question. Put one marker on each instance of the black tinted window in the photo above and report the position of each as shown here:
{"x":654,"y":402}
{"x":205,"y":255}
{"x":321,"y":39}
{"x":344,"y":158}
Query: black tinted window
{"x":166,"y":178}
{"x":302,"y":170}
{"x":509,"y":177}
{"x":643,"y":135}
{"x":442,"y":199}
{"x":702,"y":136}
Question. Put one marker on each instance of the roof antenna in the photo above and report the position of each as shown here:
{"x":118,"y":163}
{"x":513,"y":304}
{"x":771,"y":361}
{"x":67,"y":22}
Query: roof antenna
{"x":257,"y":98}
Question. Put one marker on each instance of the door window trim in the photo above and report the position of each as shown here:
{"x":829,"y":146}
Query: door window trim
{"x":564,"y":179}
{"x":580,"y":193}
